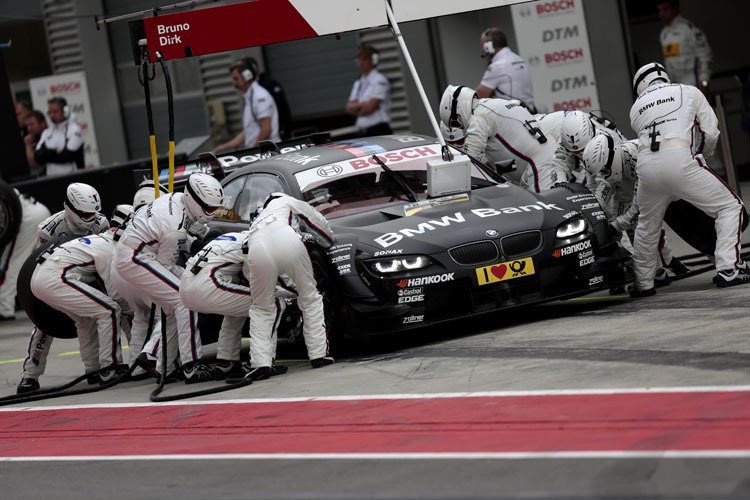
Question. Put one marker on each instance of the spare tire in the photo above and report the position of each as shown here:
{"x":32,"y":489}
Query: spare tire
{"x":51,"y":321}
{"x":10,"y":213}
{"x":694,"y":226}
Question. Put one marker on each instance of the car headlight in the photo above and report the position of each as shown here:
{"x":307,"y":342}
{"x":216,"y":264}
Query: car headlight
{"x":385,"y":266}
{"x":571,"y":228}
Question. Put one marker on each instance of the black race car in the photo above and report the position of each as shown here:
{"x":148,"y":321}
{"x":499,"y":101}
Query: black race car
{"x":403,"y":259}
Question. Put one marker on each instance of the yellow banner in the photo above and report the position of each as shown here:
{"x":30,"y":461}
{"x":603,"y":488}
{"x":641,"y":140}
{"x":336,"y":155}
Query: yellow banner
{"x":505,"y":271}
{"x":671,"y":50}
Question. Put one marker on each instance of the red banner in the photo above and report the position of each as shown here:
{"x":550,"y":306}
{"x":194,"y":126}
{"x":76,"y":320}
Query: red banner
{"x":226,"y":27}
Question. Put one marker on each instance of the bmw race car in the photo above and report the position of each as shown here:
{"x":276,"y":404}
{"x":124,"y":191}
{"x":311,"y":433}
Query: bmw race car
{"x":404,"y":259}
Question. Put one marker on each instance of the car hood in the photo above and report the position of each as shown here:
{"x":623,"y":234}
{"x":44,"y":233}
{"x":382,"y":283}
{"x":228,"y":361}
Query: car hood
{"x":431,"y":226}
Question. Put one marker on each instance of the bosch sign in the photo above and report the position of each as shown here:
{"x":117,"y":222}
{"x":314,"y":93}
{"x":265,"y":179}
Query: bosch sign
{"x":563,"y":56}
{"x":555,"y":7}
{"x":583,"y":102}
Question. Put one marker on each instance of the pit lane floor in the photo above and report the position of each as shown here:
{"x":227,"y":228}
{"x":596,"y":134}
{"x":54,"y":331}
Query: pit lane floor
{"x":591,"y":398}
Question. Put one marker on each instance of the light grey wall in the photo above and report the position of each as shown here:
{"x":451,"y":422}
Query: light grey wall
{"x":100,"y":76}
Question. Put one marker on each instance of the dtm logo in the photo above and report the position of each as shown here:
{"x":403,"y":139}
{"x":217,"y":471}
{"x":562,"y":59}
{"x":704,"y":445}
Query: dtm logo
{"x":425,"y":280}
{"x":559,"y":33}
{"x":578,"y":247}
{"x":572,"y":82}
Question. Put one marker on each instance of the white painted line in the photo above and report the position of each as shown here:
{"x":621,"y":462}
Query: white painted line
{"x":368,"y":397}
{"x":690,"y":454}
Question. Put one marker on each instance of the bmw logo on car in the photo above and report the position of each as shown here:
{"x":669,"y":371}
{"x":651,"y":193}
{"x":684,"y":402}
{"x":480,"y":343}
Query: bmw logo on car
{"x":491,"y":233}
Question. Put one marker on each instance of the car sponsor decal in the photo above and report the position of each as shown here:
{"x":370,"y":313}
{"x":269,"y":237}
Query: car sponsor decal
{"x":410,"y":295}
{"x":356,"y":147}
{"x":388,"y":239}
{"x":325,"y":173}
{"x":344,"y":269}
{"x":425,"y":280}
{"x":340,"y":258}
{"x":505,"y":271}
{"x":394,"y":251}
{"x":414,"y":318}
{"x":341,"y":247}
{"x":413,"y":208}
{"x":571,"y":249}
{"x":596,"y":280}
{"x":585,"y":258}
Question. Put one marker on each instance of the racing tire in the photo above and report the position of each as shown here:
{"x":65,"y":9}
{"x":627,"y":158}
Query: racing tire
{"x":10,"y":213}
{"x":51,"y":321}
{"x":324,"y":275}
{"x":694,"y":226}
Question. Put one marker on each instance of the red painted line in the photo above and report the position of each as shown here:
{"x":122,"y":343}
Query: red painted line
{"x":694,"y":421}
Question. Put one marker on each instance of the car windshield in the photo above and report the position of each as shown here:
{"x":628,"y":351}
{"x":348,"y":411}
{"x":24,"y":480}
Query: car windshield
{"x":359,"y":185}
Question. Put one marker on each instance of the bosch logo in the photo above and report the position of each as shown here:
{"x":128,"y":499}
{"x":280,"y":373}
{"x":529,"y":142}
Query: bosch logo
{"x":534,"y":61}
{"x":525,"y":11}
{"x":583,"y":102}
{"x":555,"y":7}
{"x":329,"y":171}
{"x":563,"y":56}
{"x":559,"y":33}
{"x":65,"y":88}
{"x":573,"y":82}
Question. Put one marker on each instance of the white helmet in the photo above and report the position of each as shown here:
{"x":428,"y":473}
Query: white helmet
{"x":648,"y":74}
{"x":82,"y":205}
{"x":120,"y":218}
{"x":603,"y":157}
{"x":457,"y":105}
{"x":145,"y":193}
{"x":576,"y":131}
{"x":454,"y":136}
{"x":203,"y":196}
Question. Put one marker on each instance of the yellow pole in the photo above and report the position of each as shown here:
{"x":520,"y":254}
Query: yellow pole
{"x":154,"y":167}
{"x":171,"y":166}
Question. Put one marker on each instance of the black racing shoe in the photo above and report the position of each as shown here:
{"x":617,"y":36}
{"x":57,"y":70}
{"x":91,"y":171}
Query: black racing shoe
{"x":174,"y":376}
{"x":662,"y":278}
{"x":320,"y":362}
{"x":111,"y":372}
{"x":677,"y":267}
{"x":251,"y":373}
{"x":27,"y":385}
{"x":197,"y":371}
{"x":224,"y":368}
{"x":635,"y":293}
{"x":278,"y":370}
{"x":147,"y":362}
{"x":734,"y":277}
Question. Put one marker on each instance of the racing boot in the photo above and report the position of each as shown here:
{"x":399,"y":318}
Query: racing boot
{"x":197,"y":371}
{"x":320,"y":362}
{"x":27,"y":384}
{"x":224,"y":368}
{"x":662,"y":278}
{"x":677,"y":267}
{"x":111,"y":373}
{"x":147,"y":363}
{"x":729,"y":278}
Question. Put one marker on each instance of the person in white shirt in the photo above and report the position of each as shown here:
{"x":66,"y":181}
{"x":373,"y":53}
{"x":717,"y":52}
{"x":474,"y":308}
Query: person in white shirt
{"x":370,"y":98}
{"x":494,"y":130}
{"x":60,"y":147}
{"x":81,"y":217}
{"x":675,"y":126}
{"x":275,"y":247}
{"x":687,"y":54}
{"x":15,"y":253}
{"x":260,"y":118}
{"x":507,"y":75}
{"x":146,"y":257}
{"x":66,"y":278}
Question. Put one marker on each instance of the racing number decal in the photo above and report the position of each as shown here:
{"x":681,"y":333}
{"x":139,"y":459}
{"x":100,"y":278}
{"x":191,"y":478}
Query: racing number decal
{"x":505,"y":271}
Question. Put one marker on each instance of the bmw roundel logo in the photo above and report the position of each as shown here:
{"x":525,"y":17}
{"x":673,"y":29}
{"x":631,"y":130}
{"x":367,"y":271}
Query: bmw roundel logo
{"x":491,"y":233}
{"x":329,"y":171}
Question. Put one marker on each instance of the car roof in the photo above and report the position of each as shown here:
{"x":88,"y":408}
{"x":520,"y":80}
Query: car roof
{"x":336,"y":151}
